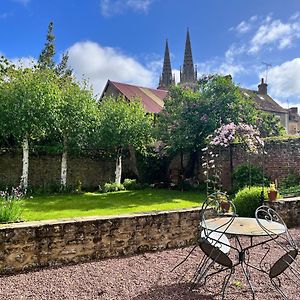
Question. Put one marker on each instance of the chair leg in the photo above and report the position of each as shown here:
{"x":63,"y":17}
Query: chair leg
{"x":225,"y":282}
{"x":247,"y":276}
{"x":201,"y":271}
{"x":278,"y":289}
{"x":184,"y":258}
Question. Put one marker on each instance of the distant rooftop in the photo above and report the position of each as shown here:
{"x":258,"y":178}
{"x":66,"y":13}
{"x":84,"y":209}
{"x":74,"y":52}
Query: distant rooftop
{"x":152,"y":99}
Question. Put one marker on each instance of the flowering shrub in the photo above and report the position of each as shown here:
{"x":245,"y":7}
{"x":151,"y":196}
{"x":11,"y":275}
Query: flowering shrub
{"x":243,"y":133}
{"x":14,"y":194}
{"x":10,"y":205}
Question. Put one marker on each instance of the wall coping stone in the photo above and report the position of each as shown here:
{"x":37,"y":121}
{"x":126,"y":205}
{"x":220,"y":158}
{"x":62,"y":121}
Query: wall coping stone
{"x":94,"y":218}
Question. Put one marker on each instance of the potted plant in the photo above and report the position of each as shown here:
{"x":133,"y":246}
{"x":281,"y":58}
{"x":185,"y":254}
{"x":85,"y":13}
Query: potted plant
{"x":272,"y":192}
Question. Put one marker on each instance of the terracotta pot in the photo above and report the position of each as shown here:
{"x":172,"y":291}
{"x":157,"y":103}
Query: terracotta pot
{"x":272,"y":195}
{"x":225,"y":206}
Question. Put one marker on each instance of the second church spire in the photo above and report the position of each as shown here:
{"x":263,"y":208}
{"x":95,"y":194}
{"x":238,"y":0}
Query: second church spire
{"x":188,"y":75}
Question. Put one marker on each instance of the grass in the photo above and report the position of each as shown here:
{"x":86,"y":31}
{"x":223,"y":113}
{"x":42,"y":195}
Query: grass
{"x":96,"y":204}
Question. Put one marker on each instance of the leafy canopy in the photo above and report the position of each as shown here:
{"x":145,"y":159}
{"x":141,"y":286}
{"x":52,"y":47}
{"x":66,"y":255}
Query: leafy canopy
{"x":123,"y":124}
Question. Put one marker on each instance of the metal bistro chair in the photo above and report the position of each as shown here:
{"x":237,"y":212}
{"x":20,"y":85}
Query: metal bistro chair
{"x":286,"y":264}
{"x":214,"y":242}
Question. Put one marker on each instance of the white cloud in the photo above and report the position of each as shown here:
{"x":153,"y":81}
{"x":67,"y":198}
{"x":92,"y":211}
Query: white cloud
{"x":98,"y":63}
{"x":115,"y":7}
{"x":24,"y":62}
{"x":275,"y":33}
{"x":284,"y":80}
{"x":243,"y":27}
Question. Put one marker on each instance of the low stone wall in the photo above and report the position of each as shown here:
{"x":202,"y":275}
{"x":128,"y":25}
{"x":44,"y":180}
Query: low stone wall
{"x":35,"y":244}
{"x":288,"y":209}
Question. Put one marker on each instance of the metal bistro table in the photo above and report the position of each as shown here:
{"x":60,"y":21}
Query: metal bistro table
{"x":244,"y":227}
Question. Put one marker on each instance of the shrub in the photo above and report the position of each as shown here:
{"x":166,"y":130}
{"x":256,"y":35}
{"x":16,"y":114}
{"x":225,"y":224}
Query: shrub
{"x":131,"y":184}
{"x":293,"y":190}
{"x":112,"y":187}
{"x":10,"y":205}
{"x":247,"y":200}
{"x":290,"y":181}
{"x":241,"y":176}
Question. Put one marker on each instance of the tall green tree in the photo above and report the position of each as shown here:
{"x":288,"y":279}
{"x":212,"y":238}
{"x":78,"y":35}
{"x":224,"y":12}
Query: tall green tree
{"x":76,"y":117}
{"x":123,"y":125}
{"x":46,"y":58}
{"x":189,"y":117}
{"x":27,"y":97}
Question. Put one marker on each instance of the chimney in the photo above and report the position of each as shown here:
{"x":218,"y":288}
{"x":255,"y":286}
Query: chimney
{"x":263,"y":88}
{"x":294,"y":110}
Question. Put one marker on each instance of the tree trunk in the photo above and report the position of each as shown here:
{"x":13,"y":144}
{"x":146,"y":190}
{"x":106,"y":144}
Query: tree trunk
{"x":133,"y":163}
{"x":118,"y":167}
{"x":190,"y":168}
{"x":64,"y":166}
{"x":24,"y":177}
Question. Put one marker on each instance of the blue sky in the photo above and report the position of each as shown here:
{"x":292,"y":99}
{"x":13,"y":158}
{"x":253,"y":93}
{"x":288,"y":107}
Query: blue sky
{"x":123,"y":40}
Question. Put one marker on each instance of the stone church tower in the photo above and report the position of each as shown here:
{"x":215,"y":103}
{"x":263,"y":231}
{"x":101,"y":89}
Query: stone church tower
{"x":188,"y":73}
{"x":166,"y":79}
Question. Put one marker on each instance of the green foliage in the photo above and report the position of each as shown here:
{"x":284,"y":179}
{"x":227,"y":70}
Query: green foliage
{"x":10,"y":205}
{"x":269,"y":125}
{"x":26,"y":101}
{"x":242,"y":173}
{"x":153,"y":165}
{"x":131,"y":184}
{"x":247,"y":201}
{"x":10,"y":210}
{"x":123,"y":124}
{"x":290,"y":181}
{"x":46,"y":58}
{"x":113,"y":187}
{"x":293,"y":190}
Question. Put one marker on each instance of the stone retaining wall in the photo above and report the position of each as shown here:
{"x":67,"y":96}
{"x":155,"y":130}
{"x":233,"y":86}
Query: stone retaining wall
{"x":35,"y":244}
{"x":288,"y":209}
{"x":31,"y":245}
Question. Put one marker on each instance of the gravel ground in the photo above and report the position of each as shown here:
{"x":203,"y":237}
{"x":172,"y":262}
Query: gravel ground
{"x":141,"y":277}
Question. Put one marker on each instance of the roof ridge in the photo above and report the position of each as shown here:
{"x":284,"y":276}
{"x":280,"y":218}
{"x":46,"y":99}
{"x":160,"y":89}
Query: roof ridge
{"x":138,"y":86}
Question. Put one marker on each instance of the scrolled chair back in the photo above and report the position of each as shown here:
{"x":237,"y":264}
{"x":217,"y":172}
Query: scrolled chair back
{"x":273,"y":224}
{"x":217,"y":205}
{"x":213,"y":240}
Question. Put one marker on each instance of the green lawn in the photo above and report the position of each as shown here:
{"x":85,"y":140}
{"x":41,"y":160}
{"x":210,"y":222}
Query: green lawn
{"x":96,"y":204}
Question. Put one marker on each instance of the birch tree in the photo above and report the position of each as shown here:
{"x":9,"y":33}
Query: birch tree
{"x":76,"y":117}
{"x":27,"y":98}
{"x":123,"y":125}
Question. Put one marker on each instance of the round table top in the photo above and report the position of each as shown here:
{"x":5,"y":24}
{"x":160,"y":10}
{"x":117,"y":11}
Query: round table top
{"x":244,"y":226}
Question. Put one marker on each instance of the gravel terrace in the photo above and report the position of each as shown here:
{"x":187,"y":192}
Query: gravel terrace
{"x":140,"y":277}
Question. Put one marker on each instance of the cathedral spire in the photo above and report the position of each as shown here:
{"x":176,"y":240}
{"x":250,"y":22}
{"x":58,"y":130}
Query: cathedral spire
{"x":166,"y":78}
{"x":188,"y":76}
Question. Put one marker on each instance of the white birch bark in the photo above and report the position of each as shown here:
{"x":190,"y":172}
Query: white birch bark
{"x":64,"y":166}
{"x":25,"y":168}
{"x":118,"y":169}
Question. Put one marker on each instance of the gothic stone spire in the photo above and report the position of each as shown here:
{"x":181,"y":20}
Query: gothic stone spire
{"x":188,"y":76}
{"x":166,"y":78}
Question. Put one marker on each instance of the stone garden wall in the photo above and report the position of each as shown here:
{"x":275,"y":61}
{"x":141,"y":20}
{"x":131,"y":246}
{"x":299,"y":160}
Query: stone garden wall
{"x":282,"y":158}
{"x":288,"y":209}
{"x":30,"y":245}
{"x":45,"y":170}
{"x":47,"y":243}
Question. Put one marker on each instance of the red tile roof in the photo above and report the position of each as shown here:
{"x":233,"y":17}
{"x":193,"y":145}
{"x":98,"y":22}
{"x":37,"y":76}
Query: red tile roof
{"x":152,"y":99}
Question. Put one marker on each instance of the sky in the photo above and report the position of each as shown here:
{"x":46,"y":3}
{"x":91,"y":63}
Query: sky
{"x":123,"y":40}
